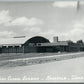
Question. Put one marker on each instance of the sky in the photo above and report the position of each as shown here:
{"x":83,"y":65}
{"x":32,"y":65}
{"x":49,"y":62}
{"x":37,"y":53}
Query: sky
{"x":42,"y":18}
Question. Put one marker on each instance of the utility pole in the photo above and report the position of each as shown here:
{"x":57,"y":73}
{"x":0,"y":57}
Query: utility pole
{"x":78,"y":5}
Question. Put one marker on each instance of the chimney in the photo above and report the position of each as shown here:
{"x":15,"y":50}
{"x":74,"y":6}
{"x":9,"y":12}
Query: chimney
{"x":55,"y":39}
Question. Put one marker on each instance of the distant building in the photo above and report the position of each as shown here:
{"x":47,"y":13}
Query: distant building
{"x":38,"y":44}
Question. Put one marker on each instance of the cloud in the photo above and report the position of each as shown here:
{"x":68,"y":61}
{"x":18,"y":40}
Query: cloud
{"x":24,"y":21}
{"x":11,"y":26}
{"x":81,"y":2}
{"x":32,"y":29}
{"x":5,"y":18}
{"x":76,"y":32}
{"x":64,"y":4}
{"x":78,"y":27}
{"x":49,"y":32}
{"x":6,"y":34}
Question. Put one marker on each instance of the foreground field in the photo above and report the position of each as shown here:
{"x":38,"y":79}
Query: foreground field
{"x":35,"y":58}
{"x":70,"y":70}
{"x":9,"y":56}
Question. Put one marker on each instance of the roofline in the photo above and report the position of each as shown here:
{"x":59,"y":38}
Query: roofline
{"x":10,"y":44}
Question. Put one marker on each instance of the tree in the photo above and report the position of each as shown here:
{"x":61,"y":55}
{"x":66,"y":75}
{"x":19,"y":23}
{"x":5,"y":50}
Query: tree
{"x":80,"y":41}
{"x":69,"y":41}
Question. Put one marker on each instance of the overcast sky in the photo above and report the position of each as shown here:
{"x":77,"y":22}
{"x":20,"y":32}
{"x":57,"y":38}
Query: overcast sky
{"x":48,"y":19}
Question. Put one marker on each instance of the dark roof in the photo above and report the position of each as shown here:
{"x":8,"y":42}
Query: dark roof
{"x":37,"y":39}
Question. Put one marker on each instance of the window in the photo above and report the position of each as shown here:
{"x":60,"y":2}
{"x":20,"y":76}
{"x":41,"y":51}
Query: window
{"x":39,"y":44}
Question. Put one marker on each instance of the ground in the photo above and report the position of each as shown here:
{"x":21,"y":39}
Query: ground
{"x":70,"y":70}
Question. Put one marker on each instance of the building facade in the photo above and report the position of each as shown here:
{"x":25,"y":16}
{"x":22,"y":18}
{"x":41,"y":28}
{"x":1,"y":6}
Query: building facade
{"x":40,"y":44}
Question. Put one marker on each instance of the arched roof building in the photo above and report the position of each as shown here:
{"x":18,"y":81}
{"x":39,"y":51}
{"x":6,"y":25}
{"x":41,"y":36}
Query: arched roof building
{"x":37,"y":44}
{"x":37,"y":39}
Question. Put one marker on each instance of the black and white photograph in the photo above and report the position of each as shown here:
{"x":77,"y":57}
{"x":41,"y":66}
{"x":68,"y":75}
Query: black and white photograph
{"x":41,"y":41}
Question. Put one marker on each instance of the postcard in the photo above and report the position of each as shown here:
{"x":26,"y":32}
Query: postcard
{"x":41,"y":41}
